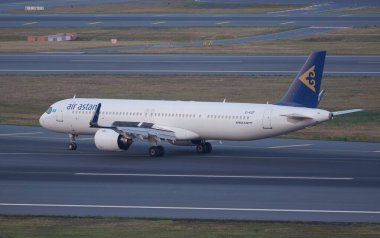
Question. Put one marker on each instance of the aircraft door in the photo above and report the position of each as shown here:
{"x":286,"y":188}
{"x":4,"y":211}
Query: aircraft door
{"x":149,"y":115}
{"x":267,"y":124}
{"x":59,"y":115}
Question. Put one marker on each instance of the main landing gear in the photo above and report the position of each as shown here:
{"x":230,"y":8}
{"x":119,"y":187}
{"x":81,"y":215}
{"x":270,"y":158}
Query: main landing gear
{"x":204,"y":148}
{"x":72,"y":144}
{"x":156,"y":151}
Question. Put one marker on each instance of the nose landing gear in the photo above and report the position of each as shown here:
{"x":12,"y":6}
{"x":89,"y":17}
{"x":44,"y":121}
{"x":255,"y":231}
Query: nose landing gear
{"x":72,"y":144}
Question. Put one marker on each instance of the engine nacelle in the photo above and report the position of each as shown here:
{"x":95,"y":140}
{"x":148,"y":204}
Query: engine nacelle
{"x":109,"y":140}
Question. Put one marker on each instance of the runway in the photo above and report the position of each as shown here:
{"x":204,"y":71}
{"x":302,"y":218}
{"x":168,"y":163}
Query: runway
{"x":271,"y":179}
{"x":166,"y":64}
{"x":188,"y":20}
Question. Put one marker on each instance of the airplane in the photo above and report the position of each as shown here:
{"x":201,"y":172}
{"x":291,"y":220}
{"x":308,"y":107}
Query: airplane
{"x":117,"y":123}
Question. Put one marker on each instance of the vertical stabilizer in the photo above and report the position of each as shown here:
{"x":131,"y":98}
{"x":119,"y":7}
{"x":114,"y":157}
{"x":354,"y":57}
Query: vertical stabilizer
{"x":304,"y":90}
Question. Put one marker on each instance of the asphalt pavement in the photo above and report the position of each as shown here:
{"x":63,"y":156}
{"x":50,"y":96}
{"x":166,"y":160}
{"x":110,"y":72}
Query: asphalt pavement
{"x":188,"y":20}
{"x":271,"y":179}
{"x":181,"y":64}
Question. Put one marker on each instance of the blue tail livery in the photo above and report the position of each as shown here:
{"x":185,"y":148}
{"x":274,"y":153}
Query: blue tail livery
{"x":304,"y":91}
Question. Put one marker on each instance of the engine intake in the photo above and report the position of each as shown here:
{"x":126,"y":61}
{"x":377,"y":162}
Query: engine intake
{"x":109,"y":140}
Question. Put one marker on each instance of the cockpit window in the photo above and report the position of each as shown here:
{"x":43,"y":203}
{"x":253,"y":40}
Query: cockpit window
{"x":49,"y":110}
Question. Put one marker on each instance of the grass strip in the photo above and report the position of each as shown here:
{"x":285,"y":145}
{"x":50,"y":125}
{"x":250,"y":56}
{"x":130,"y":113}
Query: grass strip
{"x":30,"y":227}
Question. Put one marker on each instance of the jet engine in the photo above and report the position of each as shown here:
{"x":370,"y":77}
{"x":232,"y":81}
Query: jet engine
{"x":109,"y":140}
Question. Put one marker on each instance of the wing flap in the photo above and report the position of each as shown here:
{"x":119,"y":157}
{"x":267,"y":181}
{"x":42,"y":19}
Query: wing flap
{"x":145,"y":133}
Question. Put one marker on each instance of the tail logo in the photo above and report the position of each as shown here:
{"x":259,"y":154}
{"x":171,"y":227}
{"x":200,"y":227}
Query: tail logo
{"x":308,"y":78}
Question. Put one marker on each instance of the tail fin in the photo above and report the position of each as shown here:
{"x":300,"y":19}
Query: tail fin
{"x":304,"y":90}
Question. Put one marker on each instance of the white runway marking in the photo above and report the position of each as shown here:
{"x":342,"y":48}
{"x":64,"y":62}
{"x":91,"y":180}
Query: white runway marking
{"x":346,"y":15}
{"x":30,"y":23}
{"x":222,"y":23}
{"x":21,"y":133}
{"x":317,"y":149}
{"x":94,"y":23}
{"x":369,"y":62}
{"x":285,"y":23}
{"x":178,"y":71}
{"x":160,"y":61}
{"x":288,"y":146}
{"x":61,"y":52}
{"x":191,"y":208}
{"x":329,"y":27}
{"x":297,"y":9}
{"x":214,"y":176}
{"x":159,"y":22}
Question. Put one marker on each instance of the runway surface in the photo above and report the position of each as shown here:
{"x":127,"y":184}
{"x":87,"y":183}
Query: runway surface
{"x":272,"y":179}
{"x":188,"y":20}
{"x":58,"y":63}
{"x":311,"y":5}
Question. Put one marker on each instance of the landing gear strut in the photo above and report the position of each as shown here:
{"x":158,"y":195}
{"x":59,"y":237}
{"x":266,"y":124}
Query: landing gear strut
{"x":204,"y":148}
{"x":156,"y":151}
{"x":72,"y":144}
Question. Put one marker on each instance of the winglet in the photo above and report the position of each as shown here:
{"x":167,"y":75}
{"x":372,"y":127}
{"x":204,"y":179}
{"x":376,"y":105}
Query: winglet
{"x":94,"y":120}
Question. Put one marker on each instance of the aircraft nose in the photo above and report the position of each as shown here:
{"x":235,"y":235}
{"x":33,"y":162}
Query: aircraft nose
{"x":42,"y":120}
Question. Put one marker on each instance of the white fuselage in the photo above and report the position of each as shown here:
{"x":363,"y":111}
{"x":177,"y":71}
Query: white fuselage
{"x":189,"y":120}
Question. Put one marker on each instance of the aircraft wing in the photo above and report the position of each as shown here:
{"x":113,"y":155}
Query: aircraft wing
{"x":146,"y":133}
{"x":140,"y":130}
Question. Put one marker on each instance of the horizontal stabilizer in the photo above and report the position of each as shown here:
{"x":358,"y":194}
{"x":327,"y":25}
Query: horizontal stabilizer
{"x":338,"y":113}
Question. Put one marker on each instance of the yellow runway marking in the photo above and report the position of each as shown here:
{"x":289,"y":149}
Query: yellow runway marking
{"x":17,"y":134}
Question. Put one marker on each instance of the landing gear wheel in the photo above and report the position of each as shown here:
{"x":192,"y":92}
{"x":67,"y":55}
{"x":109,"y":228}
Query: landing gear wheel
{"x":156,"y":151}
{"x":200,"y":148}
{"x":161,"y":151}
{"x":72,"y":146}
{"x":204,"y":148}
{"x":208,"y":147}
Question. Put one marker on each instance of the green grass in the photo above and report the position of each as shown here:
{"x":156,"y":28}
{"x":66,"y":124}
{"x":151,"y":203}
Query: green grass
{"x":360,"y":40}
{"x":368,"y":117}
{"x":30,"y":227}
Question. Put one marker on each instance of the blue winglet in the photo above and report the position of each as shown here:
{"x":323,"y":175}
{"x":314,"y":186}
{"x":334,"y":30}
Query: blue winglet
{"x":94,"y":120}
{"x":304,"y":90}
